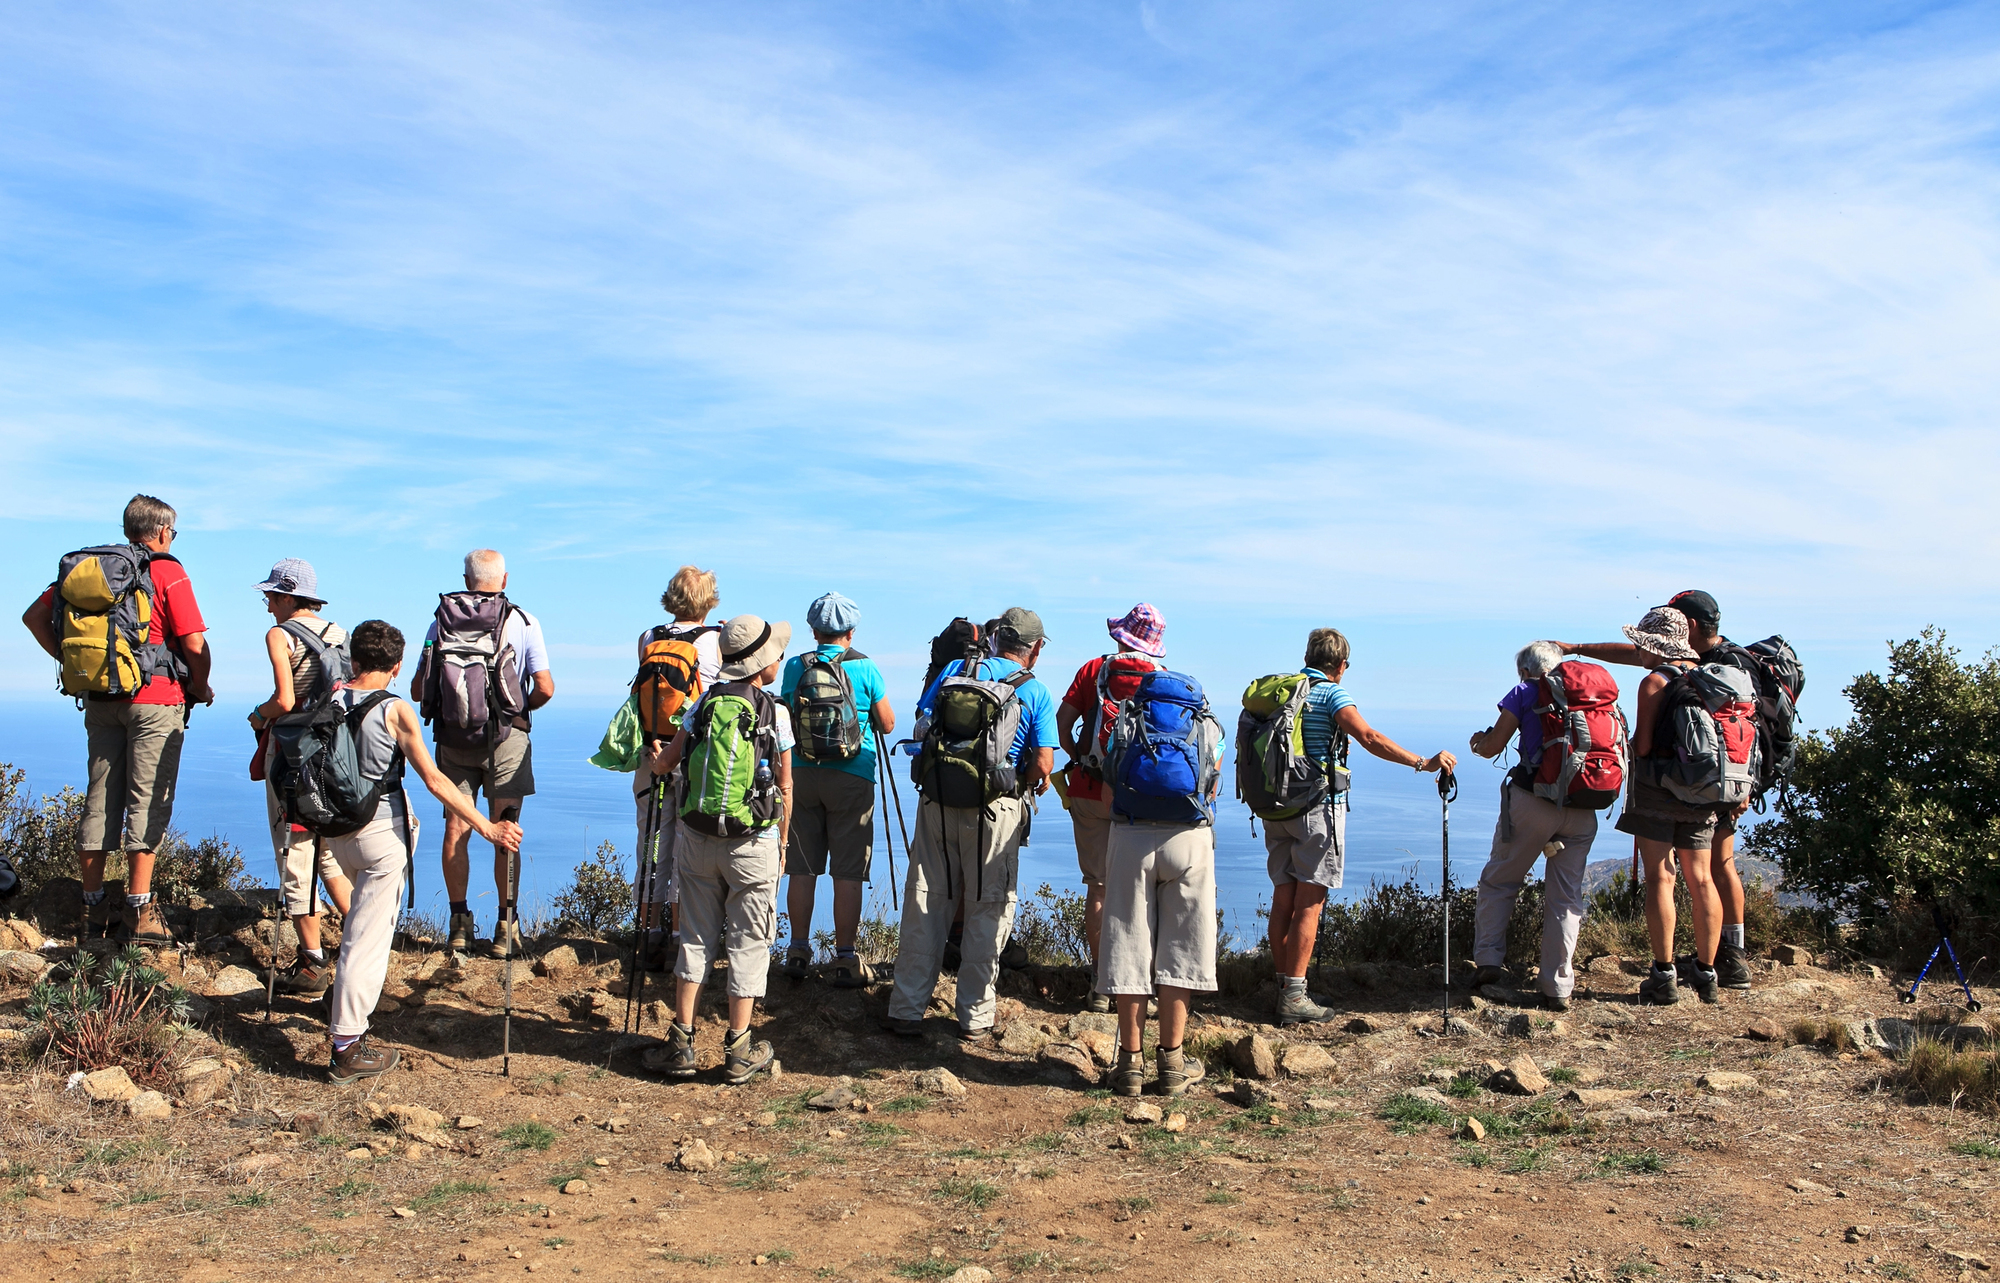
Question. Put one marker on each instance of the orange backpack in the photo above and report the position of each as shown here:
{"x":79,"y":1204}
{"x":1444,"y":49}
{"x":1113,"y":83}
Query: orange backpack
{"x":669,"y":678}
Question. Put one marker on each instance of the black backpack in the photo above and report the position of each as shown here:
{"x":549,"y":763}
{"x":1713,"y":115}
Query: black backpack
{"x":1780,"y":679}
{"x":317,"y":772}
{"x":961,"y":639}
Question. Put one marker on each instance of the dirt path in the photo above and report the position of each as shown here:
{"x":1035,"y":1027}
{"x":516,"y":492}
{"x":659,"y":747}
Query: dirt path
{"x":1625,"y":1166}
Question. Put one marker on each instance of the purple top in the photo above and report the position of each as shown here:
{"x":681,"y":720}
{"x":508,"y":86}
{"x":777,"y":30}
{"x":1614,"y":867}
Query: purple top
{"x":1521,"y":703}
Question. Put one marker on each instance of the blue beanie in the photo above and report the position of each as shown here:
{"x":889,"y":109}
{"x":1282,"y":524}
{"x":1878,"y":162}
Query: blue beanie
{"x":832,"y":615}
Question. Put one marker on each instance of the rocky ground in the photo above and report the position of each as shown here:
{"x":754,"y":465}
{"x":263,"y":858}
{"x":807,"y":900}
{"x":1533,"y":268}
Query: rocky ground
{"x":1612,"y":1142}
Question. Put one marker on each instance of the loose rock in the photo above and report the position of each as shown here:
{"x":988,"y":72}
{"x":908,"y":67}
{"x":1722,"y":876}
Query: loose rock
{"x":466,"y":1122}
{"x":1253,"y":1058}
{"x":1020,"y":1038}
{"x":149,"y":1105}
{"x":1143,"y":1112}
{"x":110,"y":1086}
{"x":695,"y":1156}
{"x":1765,"y":1029}
{"x":1065,"y":1061}
{"x":1792,"y":955}
{"x":832,"y":1098}
{"x":970,"y":1274}
{"x":1519,"y":1077}
{"x":1103,"y":1047}
{"x":1367,"y":1025}
{"x":232,"y":982}
{"x":1472,"y":1129}
{"x":1250,"y":1093}
{"x":1308,"y":1060}
{"x":1723,"y":1080}
{"x":576,"y":1187}
{"x":939,"y":1082}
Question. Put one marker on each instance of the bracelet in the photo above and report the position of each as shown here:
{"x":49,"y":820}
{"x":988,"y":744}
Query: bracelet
{"x":1418,"y":765}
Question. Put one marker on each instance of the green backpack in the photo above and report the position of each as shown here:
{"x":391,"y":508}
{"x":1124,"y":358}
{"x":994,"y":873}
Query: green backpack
{"x":1274,"y":777}
{"x":732,"y":740}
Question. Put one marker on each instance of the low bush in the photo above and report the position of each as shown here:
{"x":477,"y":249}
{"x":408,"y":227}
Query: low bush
{"x":39,"y":835}
{"x":1050,"y":927}
{"x":598,"y":900}
{"x":97,"y":1012}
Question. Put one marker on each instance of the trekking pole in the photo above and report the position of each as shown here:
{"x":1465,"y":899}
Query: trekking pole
{"x":1447,"y":791}
{"x":510,"y":915}
{"x":648,"y":861}
{"x":888,"y":843}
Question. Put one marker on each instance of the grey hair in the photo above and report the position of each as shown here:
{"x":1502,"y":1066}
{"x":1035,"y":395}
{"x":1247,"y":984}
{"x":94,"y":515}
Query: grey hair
{"x":146,"y":516}
{"x":1536,"y":658}
{"x":484,"y":569}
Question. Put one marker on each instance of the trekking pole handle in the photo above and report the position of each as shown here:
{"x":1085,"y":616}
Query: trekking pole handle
{"x":1448,"y":786}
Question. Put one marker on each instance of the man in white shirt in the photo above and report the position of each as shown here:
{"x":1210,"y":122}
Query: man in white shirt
{"x":506,"y":770}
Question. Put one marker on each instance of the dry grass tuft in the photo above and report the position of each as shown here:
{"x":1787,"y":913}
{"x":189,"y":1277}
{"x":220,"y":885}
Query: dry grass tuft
{"x":1943,"y":1076}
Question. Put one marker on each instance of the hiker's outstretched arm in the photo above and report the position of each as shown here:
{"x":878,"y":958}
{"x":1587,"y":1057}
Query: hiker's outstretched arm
{"x":1489,"y":742}
{"x":1351,"y":721}
{"x":409,"y":735}
{"x":38,"y":620}
{"x":1608,"y":652}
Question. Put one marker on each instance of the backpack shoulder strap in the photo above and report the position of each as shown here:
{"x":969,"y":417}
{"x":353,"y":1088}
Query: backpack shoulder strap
{"x":849,"y":655}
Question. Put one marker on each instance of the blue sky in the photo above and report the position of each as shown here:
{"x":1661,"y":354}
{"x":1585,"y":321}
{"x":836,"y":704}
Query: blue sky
{"x":1451,"y":325}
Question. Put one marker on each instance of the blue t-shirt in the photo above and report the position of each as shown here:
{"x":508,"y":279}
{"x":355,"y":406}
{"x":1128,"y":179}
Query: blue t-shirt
{"x":869,"y":688}
{"x":1038,"y":704}
{"x":1316,"y":725}
{"x":1521,"y":703}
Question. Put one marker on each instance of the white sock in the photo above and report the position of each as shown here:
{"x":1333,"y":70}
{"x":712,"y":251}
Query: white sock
{"x":1732,"y":933}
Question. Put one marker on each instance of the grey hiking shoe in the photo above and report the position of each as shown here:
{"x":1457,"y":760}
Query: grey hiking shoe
{"x":850,"y":973}
{"x":502,"y":933}
{"x":1705,"y":984}
{"x":1555,"y":1001}
{"x":463,"y":928}
{"x":1661,"y":988}
{"x":306,"y":976}
{"x":676,"y":1059}
{"x":1731,"y":969}
{"x":1296,"y":1007}
{"x":1129,"y":1077}
{"x":742,"y":1059}
{"x":903,"y":1028}
{"x":1099,"y":1002}
{"x":797,"y":963}
{"x":361,"y":1060}
{"x":1492,"y":975}
{"x":1178,"y":1071}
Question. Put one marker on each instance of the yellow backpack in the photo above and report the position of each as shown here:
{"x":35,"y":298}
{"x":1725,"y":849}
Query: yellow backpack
{"x":104,"y":614}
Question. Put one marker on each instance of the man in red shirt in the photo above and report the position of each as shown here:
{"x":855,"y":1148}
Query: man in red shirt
{"x":135,"y":741}
{"x":1081,"y":726}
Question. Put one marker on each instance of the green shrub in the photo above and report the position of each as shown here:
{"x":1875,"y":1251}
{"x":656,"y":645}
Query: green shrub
{"x":598,"y":900}
{"x":97,"y":1012}
{"x":1050,"y":927}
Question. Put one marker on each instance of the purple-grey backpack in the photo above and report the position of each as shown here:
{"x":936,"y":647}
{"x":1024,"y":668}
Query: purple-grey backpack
{"x":469,"y":676}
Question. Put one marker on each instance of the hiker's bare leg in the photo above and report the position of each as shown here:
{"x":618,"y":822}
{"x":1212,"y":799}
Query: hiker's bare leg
{"x":1707,"y":905}
{"x":686,"y":994}
{"x":1093,"y":916}
{"x":1132,"y":1020}
{"x":1173,"y":1015}
{"x":1660,"y":916}
{"x":457,"y":857}
{"x":1728,"y":881}
{"x":498,"y":808}
{"x":340,"y":890}
{"x":740,"y":1011}
{"x":846,"y":912}
{"x":307,"y":925}
{"x":1297,"y":906}
{"x":800,"y":893}
{"x":92,"y":865}
{"x":138,"y":872}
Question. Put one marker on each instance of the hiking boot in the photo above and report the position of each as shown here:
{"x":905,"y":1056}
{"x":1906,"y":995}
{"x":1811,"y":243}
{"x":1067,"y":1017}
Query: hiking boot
{"x":903,"y":1028}
{"x":146,"y":925}
{"x":1296,"y":1007}
{"x":1731,"y":968}
{"x":1015,"y":956}
{"x":676,"y":1059}
{"x":852,"y":973}
{"x":1492,"y":975}
{"x":1705,"y":985}
{"x":1099,"y":1002}
{"x":361,"y":1060}
{"x":98,"y":920}
{"x":463,"y":928}
{"x":1555,"y":1001}
{"x":503,"y":933}
{"x":977,"y":1038}
{"x":306,"y":976}
{"x":1178,"y":1071}
{"x":743,"y":1060}
{"x":798,"y":961}
{"x":1129,"y":1077}
{"x":1660,"y":988}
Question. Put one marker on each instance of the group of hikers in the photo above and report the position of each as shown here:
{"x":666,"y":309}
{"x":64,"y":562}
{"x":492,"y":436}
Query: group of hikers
{"x":748,"y":765}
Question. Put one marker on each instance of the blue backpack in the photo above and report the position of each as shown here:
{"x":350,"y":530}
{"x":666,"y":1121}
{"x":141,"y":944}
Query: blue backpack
{"x":1162,"y":759}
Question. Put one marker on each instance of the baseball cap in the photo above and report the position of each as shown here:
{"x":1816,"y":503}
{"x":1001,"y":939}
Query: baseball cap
{"x":1698,"y":606}
{"x":1018,"y":625}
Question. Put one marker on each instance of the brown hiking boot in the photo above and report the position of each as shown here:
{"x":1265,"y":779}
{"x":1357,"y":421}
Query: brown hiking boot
{"x":463,"y":929}
{"x":1129,"y":1078}
{"x":99,"y":919}
{"x":306,"y":976}
{"x":743,"y":1060}
{"x":503,"y":931}
{"x":851,"y":973}
{"x":359,"y":1061}
{"x":146,"y":925}
{"x":677,"y":1058}
{"x":1177,"y":1071}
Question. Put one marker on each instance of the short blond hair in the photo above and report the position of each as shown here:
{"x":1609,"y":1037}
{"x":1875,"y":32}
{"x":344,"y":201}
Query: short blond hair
{"x":1326,"y":650}
{"x":484,"y":569}
{"x":146,"y":516}
{"x":691,"y":593}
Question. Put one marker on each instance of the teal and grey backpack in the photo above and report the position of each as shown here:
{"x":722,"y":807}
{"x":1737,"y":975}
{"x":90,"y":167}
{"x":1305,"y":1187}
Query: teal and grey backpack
{"x":824,"y":716}
{"x":966,"y":753}
{"x":732,"y":739}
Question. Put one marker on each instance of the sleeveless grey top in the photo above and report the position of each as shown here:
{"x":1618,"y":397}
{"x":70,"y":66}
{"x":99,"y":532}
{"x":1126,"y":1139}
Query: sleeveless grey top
{"x":373,"y":740}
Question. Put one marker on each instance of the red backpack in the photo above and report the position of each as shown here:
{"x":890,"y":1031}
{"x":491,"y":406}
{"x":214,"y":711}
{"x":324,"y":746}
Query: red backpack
{"x":1118,"y":679}
{"x":1584,"y":750}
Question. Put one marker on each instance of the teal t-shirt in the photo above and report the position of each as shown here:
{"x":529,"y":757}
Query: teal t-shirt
{"x":866,"y":678}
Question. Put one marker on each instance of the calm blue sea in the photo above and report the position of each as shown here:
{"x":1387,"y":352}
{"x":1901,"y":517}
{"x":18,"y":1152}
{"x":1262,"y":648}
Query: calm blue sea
{"x":1392,"y":832}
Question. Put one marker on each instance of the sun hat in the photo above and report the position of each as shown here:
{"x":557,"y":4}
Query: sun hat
{"x":749,"y":645}
{"x":1023,"y":626}
{"x":832,"y":615}
{"x":1699,"y":607}
{"x":1663,"y":632}
{"x":294,"y":578}
{"x":1142,"y":629}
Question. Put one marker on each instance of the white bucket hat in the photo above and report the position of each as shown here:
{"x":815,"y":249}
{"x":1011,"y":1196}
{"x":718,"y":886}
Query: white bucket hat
{"x":749,"y":645}
{"x":1663,"y":632}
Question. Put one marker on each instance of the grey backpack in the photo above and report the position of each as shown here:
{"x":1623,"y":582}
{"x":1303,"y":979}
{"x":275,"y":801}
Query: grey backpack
{"x":469,"y":677}
{"x":1710,"y":715}
{"x":966,"y":753}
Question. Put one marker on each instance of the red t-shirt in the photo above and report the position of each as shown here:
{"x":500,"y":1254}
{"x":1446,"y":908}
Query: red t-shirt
{"x":1082,"y":696}
{"x":175,"y":615}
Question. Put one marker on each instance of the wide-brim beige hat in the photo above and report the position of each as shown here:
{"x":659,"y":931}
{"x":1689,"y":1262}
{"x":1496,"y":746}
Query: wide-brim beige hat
{"x":749,"y":645}
{"x":1663,"y":632}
